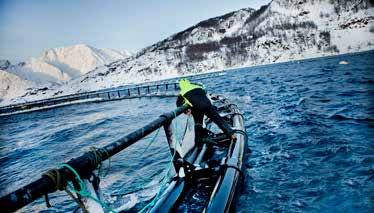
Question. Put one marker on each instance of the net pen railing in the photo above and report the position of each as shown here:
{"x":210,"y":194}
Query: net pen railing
{"x":84,"y":165}
{"x":163,"y":89}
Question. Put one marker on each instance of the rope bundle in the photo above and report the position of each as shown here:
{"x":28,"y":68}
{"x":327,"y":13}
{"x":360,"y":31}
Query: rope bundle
{"x":60,"y":183}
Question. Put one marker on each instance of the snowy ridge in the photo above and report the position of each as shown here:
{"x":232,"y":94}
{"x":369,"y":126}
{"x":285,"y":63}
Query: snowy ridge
{"x":63,"y":63}
{"x":54,"y":67}
{"x":39,"y":72}
{"x":281,"y":31}
{"x":12,"y":85}
{"x":79,"y":59}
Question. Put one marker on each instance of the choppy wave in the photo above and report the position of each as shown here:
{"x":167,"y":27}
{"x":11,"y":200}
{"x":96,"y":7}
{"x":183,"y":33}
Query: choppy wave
{"x":310,"y":127}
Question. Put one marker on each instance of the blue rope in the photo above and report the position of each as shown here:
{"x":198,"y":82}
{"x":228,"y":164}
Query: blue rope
{"x":166,"y":175}
{"x":83,"y":190}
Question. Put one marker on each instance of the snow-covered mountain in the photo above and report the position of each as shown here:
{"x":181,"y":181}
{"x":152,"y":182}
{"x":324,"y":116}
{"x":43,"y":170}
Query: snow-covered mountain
{"x":12,"y":85}
{"x":54,"y":67}
{"x":281,"y":31}
{"x":79,"y":59}
{"x":64,"y":63}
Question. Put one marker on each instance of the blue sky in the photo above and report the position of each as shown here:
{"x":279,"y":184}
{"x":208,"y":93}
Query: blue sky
{"x":28,"y":27}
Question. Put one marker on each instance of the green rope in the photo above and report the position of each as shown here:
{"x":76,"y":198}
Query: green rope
{"x":150,"y":143}
{"x":166,"y":175}
{"x":83,"y":191}
{"x":140,"y":155}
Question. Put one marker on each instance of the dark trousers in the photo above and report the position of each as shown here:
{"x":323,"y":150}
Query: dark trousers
{"x":202,"y":106}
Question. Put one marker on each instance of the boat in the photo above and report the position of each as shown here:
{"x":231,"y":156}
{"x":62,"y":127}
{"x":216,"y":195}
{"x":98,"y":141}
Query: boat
{"x":206,"y":176}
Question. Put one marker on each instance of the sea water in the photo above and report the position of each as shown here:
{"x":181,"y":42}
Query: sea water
{"x":310,"y":125}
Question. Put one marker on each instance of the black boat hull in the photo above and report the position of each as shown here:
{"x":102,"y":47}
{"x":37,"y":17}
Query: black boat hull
{"x":219,"y":184}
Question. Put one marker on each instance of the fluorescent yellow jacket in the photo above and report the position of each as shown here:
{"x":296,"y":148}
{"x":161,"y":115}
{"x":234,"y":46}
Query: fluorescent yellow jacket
{"x":186,"y":86}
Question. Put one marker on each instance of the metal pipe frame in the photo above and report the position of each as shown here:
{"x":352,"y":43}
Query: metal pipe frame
{"x":82,"y":164}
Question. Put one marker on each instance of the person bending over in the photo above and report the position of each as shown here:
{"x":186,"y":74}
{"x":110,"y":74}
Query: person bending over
{"x":195,"y":96}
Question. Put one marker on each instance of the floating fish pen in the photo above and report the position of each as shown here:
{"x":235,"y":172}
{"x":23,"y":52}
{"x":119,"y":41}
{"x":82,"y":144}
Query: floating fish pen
{"x":157,"y":90}
{"x":162,"y":88}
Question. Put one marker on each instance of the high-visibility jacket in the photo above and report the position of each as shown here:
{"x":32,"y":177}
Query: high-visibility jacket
{"x":186,"y":86}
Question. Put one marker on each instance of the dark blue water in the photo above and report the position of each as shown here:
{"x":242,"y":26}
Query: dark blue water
{"x":310,"y":125}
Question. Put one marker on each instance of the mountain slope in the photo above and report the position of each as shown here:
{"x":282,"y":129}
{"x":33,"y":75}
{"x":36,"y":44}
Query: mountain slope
{"x":50,"y":70}
{"x":38,"y":71}
{"x":281,"y":31}
{"x":12,"y":85}
{"x":64,"y":63}
{"x":79,"y":59}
